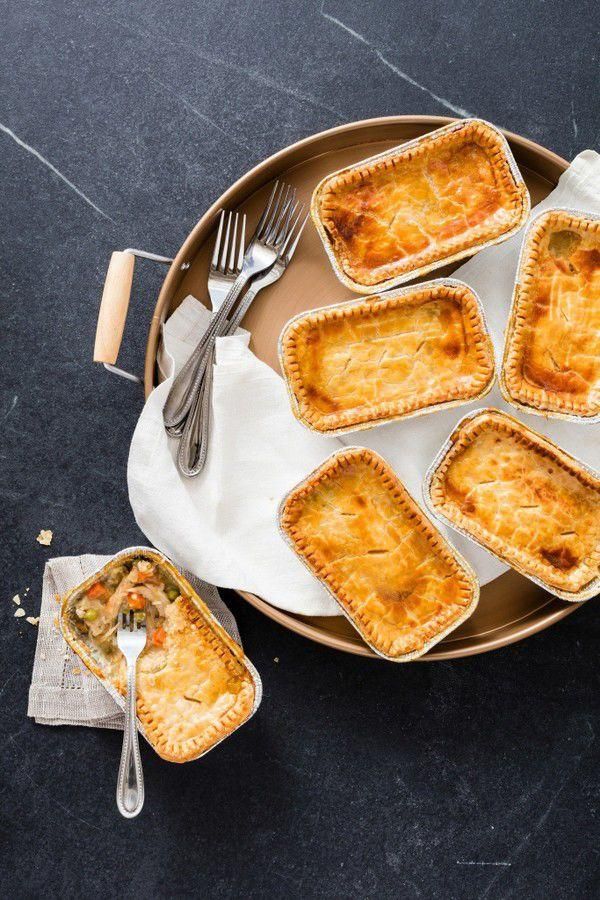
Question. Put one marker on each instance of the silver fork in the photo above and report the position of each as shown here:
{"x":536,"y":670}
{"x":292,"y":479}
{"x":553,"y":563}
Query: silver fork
{"x":131,"y":640}
{"x":193,"y":447}
{"x":223,"y":272}
{"x":225,"y":266}
{"x":261,"y":253}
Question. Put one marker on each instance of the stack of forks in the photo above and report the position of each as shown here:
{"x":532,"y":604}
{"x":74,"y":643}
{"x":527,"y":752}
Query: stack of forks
{"x":263,"y":262}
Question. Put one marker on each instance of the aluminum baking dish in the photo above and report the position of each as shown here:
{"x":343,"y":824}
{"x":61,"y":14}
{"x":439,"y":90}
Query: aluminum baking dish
{"x":223,"y":661}
{"x":546,"y":401}
{"x":443,"y":220}
{"x":537,"y":488}
{"x":309,"y":369}
{"x":402,"y":598}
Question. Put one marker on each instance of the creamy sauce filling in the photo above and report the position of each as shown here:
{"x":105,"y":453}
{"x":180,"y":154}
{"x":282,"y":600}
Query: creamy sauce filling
{"x":137,"y":586}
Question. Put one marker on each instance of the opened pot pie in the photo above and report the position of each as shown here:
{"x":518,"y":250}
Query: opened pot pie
{"x":356,"y":527}
{"x":431,"y":201}
{"x":519,"y":495}
{"x":379,"y":359}
{"x":194,"y":684}
{"x":552,"y":354}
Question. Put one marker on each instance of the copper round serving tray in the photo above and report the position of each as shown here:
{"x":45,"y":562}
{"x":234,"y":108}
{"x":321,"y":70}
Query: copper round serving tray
{"x":511,"y":607}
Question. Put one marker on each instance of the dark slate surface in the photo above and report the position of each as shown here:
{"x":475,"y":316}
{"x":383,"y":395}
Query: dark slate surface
{"x":477,"y":778}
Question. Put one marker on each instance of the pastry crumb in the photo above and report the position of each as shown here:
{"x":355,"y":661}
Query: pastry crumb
{"x":42,"y":656}
{"x":45,"y":537}
{"x":33,"y":620}
{"x":19,"y":612}
{"x":57,"y":598}
{"x":17,"y":600}
{"x":76,"y":671}
{"x":55,"y":622}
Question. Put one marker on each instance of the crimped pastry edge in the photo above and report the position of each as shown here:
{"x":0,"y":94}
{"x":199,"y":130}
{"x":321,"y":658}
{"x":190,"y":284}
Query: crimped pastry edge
{"x":560,"y":456}
{"x":526,"y":259}
{"x":464,"y":567}
{"x":420,"y":271}
{"x":386,"y":420}
{"x":83,"y":652}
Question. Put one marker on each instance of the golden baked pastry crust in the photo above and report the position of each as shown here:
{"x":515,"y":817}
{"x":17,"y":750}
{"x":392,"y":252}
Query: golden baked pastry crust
{"x":522,"y":497}
{"x":431,"y":201}
{"x":192,"y":693}
{"x":356,"y":527}
{"x":552,"y":352}
{"x":380,"y":359}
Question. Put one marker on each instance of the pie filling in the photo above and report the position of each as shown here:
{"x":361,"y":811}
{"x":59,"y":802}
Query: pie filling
{"x":552,"y":356}
{"x":193,"y":684}
{"x":393,"y":574}
{"x":438,"y":199}
{"x":384,"y":358}
{"x":523,"y":498}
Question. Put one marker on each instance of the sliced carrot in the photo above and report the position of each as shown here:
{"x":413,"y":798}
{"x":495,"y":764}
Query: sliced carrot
{"x":98,"y":591}
{"x":136,"y":601}
{"x":159,"y":636}
{"x":144,"y":576}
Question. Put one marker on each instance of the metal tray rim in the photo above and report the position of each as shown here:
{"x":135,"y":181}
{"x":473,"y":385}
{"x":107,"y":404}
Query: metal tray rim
{"x":540,"y":160}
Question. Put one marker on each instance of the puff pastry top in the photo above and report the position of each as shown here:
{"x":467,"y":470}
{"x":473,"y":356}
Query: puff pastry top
{"x":202,"y":692}
{"x":522,"y":497}
{"x":193,"y":687}
{"x":384,"y":358}
{"x":393,"y":574}
{"x":552,"y":355}
{"x":435,"y":200}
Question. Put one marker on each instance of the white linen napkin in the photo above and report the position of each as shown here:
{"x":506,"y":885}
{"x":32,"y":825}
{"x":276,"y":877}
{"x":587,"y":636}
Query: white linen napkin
{"x":63,"y":691}
{"x":222,"y":524}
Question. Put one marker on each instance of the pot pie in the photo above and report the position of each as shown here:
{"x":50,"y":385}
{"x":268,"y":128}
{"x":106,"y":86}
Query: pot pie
{"x":524,"y":499}
{"x":431,"y":201}
{"x":552,"y":354}
{"x":356,"y":527}
{"x":194,"y":684}
{"x":380,"y":359}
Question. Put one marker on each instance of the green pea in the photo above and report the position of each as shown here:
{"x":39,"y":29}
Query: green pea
{"x":90,"y":614}
{"x":172,"y":593}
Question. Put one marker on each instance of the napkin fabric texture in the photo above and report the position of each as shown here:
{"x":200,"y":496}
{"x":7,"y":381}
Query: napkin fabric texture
{"x":222,"y":525}
{"x":63,"y":691}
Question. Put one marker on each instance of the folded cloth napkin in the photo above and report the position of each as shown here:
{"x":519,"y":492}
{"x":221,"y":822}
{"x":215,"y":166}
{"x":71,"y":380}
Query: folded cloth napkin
{"x":63,"y":691}
{"x":222,"y":524}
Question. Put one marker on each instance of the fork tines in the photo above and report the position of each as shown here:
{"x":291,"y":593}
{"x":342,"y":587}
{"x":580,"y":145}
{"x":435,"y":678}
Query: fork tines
{"x":274,"y":222}
{"x":274,"y":228}
{"x":227,"y":247}
{"x":288,"y":253}
{"x":129,"y":621}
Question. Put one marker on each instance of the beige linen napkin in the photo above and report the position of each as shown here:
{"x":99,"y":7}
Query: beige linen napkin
{"x":222,"y":524}
{"x":63,"y":691}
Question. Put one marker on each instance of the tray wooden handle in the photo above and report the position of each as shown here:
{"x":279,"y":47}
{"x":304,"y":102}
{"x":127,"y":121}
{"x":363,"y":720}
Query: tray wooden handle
{"x":113,"y":307}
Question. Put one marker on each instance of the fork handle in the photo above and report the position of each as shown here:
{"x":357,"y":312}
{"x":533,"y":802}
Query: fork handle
{"x":130,"y":784}
{"x":185,"y":385}
{"x":193,"y":447}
